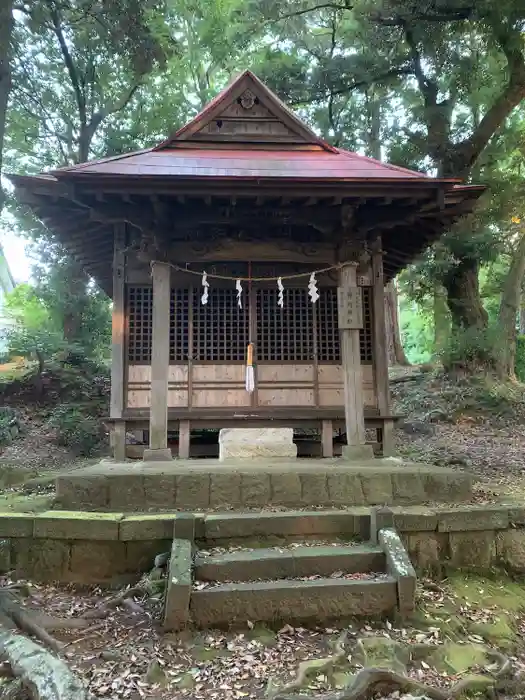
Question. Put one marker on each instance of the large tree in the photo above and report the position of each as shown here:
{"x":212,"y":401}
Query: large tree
{"x":453,"y":71}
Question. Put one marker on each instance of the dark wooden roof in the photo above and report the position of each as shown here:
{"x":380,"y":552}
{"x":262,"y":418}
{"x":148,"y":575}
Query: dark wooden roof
{"x":246,"y":144}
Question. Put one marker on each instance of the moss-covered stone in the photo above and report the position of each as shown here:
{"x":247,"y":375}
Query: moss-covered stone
{"x":383,"y":652}
{"x":500,"y":632}
{"x":455,"y":658}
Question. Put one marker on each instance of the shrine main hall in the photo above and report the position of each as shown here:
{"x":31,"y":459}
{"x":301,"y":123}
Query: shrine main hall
{"x":247,"y":260}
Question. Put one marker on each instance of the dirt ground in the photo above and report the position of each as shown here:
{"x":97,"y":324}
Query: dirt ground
{"x":127,"y":656}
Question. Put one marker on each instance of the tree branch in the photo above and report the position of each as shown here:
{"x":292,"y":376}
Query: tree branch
{"x":467,"y":151}
{"x":68,"y":60}
{"x":323,"y":6}
{"x":366,"y":82}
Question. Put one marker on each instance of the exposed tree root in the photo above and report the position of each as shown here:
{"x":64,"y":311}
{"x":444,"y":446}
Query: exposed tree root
{"x":308,"y":667}
{"x":370,"y":681}
{"x":106,"y":608}
{"x":40,"y":674}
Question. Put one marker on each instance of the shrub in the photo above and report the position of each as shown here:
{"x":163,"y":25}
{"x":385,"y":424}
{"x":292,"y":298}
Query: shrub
{"x":76,"y":429}
{"x":9,"y":426}
{"x":471,"y":349}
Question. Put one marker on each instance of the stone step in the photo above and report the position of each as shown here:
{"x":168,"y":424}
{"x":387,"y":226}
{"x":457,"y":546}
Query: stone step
{"x":289,"y":562}
{"x":293,"y":601}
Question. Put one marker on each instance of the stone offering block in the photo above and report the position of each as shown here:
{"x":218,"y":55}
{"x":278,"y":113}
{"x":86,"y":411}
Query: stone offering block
{"x":256,"y":443}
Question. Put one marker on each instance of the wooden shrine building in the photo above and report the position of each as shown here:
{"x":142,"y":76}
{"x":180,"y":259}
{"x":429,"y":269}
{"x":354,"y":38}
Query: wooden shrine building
{"x":248,"y":194}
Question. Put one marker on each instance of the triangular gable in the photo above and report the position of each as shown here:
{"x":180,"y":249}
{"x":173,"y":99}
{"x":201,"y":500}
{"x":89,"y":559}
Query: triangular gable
{"x":246,"y":112}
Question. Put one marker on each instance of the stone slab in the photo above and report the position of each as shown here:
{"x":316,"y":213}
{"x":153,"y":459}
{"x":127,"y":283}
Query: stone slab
{"x":291,"y":601}
{"x":146,"y":527}
{"x":475,"y":550}
{"x":71,"y":525}
{"x":473,"y":518}
{"x":198,"y":485}
{"x":178,"y":591}
{"x":96,"y":562}
{"x":256,"y":443}
{"x":399,"y":566}
{"x":254,"y":565}
{"x":224,"y":526}
{"x":19,"y":525}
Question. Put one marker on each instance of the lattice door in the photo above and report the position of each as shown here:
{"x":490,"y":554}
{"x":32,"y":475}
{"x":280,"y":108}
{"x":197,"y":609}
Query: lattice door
{"x":220,"y":328}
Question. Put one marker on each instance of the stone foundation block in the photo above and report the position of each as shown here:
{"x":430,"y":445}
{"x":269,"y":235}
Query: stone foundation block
{"x":96,"y":562}
{"x":5,"y":556}
{"x":82,"y":493}
{"x":19,"y":525}
{"x":146,"y":527}
{"x":193,"y":491}
{"x":473,"y":550}
{"x":408,"y":489}
{"x":159,"y":490}
{"x":225,"y":489}
{"x":255,"y":489}
{"x":427,"y":550}
{"x":510,"y":548}
{"x":140,"y":556}
{"x":127,"y":493}
{"x":415,"y":519}
{"x":178,"y":592}
{"x":42,"y":560}
{"x":475,"y":518}
{"x":345,"y":489}
{"x":256,"y":443}
{"x":377,"y":488}
{"x":286,"y":488}
{"x":69,"y":525}
{"x":314,"y":489}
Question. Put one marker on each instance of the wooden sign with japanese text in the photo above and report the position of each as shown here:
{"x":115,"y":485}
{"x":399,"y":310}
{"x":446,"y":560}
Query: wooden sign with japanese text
{"x":350,"y":308}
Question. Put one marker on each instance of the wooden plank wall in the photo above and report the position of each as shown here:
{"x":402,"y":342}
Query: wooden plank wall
{"x":222,"y":386}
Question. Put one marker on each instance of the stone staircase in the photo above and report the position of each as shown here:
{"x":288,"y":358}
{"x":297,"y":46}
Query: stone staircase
{"x":309,"y":581}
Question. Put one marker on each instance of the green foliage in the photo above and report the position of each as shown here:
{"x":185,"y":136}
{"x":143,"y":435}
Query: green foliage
{"x":76,"y":429}
{"x":417,"y":333}
{"x":471,"y":348}
{"x":8,"y":420}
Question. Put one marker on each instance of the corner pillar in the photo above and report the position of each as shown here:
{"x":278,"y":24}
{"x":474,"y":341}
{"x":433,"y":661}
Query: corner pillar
{"x":350,"y":316}
{"x":118,"y":345}
{"x":160,"y":361}
{"x":379,"y":340}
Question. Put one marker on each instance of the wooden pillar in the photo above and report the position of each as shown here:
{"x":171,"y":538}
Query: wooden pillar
{"x":184,"y":439}
{"x":160,"y":364}
{"x":118,"y":345}
{"x":327,"y":438}
{"x":350,"y":315}
{"x":379,"y":345}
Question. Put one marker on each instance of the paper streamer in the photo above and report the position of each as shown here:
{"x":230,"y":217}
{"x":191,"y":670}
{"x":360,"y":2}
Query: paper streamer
{"x":312,"y":288}
{"x":206,"y":285}
{"x":280,"y":298}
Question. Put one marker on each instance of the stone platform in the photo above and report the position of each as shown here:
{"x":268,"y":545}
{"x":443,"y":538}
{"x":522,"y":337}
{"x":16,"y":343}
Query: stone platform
{"x":200,"y":485}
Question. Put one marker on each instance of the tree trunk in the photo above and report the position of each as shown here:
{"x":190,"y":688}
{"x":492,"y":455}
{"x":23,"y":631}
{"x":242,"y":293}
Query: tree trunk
{"x":522,"y":314}
{"x":508,"y":313}
{"x":6,"y":36}
{"x":463,"y":296}
{"x":396,"y":352}
{"x":441,"y":321}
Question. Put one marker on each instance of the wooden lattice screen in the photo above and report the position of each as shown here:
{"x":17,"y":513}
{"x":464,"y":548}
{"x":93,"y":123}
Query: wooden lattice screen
{"x":219,"y":331}
{"x":220,"y":328}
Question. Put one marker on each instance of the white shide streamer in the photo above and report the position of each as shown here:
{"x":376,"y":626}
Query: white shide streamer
{"x":205,"y":285}
{"x":238,"y":287}
{"x":312,"y":288}
{"x":280,"y":298}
